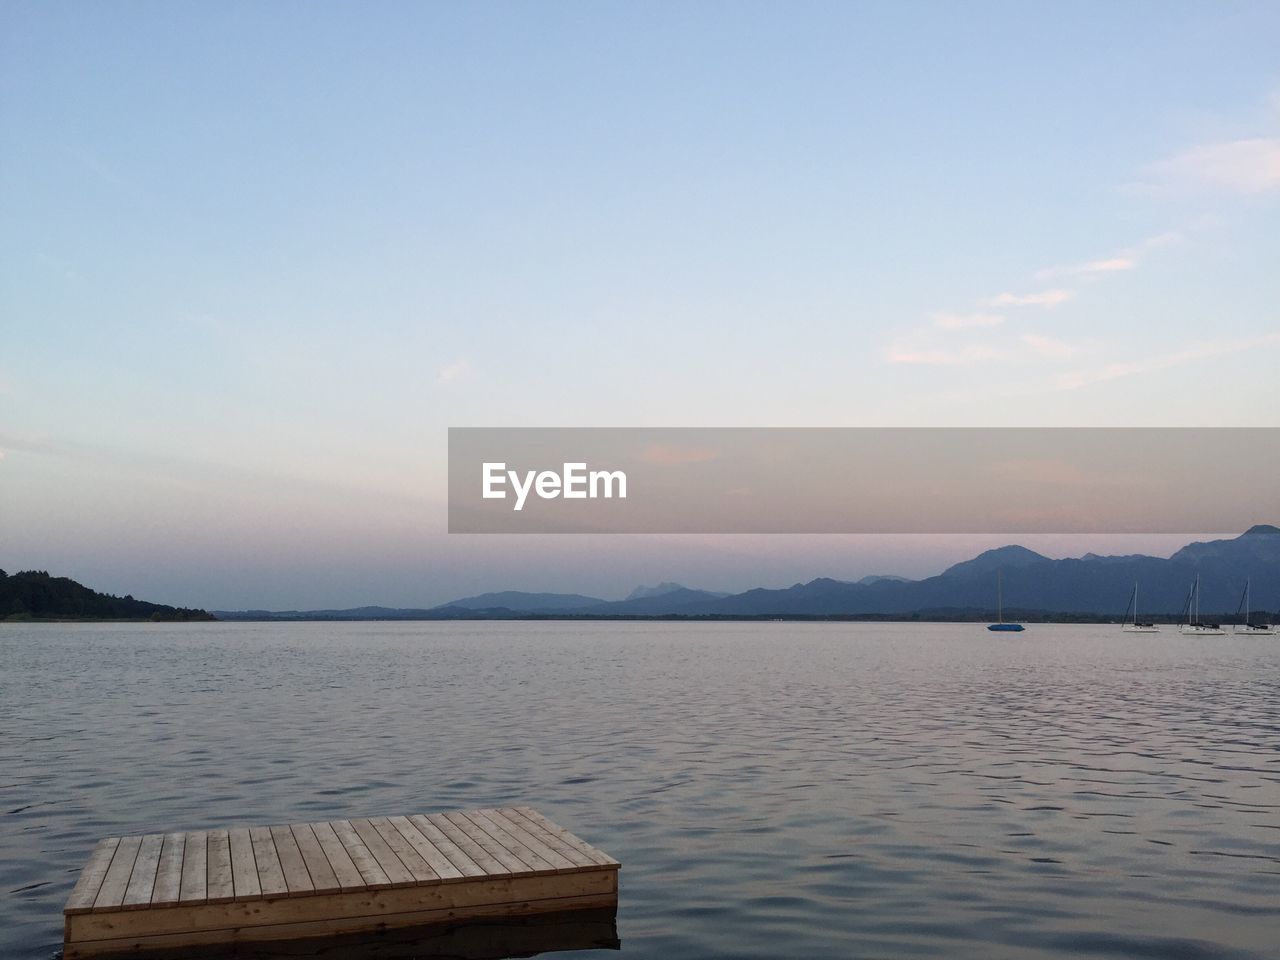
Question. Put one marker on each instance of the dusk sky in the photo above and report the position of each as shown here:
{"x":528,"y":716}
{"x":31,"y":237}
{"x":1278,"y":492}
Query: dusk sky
{"x":255,"y":259}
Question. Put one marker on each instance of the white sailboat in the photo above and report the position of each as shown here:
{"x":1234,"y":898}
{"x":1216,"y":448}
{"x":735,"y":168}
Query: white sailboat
{"x":1193,"y":626}
{"x":1245,"y":627}
{"x":1135,"y":625}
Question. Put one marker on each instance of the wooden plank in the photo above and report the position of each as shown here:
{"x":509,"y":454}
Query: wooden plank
{"x":478,"y":854}
{"x":168,"y":889}
{"x":514,"y":843}
{"x":116,"y":881}
{"x":90,"y":880}
{"x":143,"y":879}
{"x":462,"y":898}
{"x":295,"y":868}
{"x":323,"y":879}
{"x":195,"y":881}
{"x":515,"y":828}
{"x":467,"y":866}
{"x":443,"y":867}
{"x":413,"y":861}
{"x":599,"y":856}
{"x":572,"y":853}
{"x":396,"y":871}
{"x":221,"y":885}
{"x":491,"y":846}
{"x":558,"y":860}
{"x":244,"y":866}
{"x":270,"y":873}
{"x":345,"y":871}
{"x":366,"y":862}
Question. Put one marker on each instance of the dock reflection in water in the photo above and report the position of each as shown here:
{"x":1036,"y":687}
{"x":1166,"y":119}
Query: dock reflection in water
{"x":494,"y":939}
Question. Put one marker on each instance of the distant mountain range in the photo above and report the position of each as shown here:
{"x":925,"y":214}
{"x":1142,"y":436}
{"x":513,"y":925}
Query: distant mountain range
{"x":663,"y":589}
{"x":1035,"y":587}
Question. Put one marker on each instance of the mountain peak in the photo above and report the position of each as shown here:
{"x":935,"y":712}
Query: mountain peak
{"x":992,"y":560}
{"x":1259,"y":544}
{"x":523,"y":602}
{"x":882,"y":578}
{"x":1261,"y":530}
{"x":661,"y":590}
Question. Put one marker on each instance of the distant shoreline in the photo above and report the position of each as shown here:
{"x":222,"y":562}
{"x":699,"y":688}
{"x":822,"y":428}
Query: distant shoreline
{"x":23,"y":620}
{"x":974,"y":617}
{"x":1036,"y":619}
{"x":980,"y":617}
{"x":1232,"y":578}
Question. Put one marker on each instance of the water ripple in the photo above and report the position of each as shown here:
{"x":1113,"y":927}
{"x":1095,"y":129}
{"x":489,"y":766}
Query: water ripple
{"x":772,"y":789}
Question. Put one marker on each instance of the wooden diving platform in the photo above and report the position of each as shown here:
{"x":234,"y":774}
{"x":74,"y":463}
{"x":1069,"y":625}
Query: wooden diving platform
{"x":305,"y":880}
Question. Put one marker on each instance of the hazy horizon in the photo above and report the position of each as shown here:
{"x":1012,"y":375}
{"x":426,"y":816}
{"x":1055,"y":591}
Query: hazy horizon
{"x":256,"y":260}
{"x":728,"y":564}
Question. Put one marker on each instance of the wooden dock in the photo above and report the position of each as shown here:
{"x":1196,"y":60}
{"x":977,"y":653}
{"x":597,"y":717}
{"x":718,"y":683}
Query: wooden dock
{"x":303,"y":880}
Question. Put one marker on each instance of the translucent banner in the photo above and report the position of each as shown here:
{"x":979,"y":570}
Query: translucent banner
{"x":862,"y":480}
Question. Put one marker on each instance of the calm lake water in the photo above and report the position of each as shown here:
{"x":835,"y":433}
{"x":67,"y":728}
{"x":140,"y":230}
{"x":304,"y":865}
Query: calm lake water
{"x":772,"y":789}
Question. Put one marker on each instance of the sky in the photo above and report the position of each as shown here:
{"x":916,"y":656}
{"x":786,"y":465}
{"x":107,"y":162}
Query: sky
{"x":255,"y":259}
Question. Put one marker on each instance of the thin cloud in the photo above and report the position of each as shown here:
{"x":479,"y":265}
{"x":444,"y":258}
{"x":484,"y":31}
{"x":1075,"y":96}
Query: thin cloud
{"x":1090,"y":269}
{"x":966,"y":321}
{"x":184,"y":472}
{"x":1049,"y":347}
{"x":1060,"y":472}
{"x":455,"y":371}
{"x":925,"y":348}
{"x":1110,"y":265}
{"x":1160,"y":240}
{"x":1045,"y":298}
{"x":670,"y":455}
{"x":1127,"y":259}
{"x":960,"y":356}
{"x":1200,"y":351}
{"x":33,"y":445}
{"x":1250,"y":165}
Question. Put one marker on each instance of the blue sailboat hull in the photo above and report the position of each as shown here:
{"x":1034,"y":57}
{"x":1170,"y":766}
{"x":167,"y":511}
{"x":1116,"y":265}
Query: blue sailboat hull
{"x":1009,"y":627}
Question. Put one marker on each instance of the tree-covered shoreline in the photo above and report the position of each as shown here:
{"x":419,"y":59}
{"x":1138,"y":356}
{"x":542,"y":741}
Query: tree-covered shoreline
{"x":31,"y":595}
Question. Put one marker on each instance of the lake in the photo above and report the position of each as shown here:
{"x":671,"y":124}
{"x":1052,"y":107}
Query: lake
{"x":772,"y":789}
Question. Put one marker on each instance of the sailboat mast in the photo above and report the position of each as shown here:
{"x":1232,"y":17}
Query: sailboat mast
{"x":999,"y":596}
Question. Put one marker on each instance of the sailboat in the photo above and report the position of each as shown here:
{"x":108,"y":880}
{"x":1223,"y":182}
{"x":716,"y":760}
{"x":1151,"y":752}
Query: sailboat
{"x":1193,"y":626}
{"x":1135,"y":625}
{"x":1245,"y":627}
{"x":1001,"y":625}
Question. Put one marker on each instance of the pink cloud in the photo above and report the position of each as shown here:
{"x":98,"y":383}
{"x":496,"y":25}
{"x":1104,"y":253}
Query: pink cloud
{"x":1196,"y":352}
{"x":1049,"y":347}
{"x":1249,"y":165}
{"x":667,"y":455}
{"x":1044,"y":298}
{"x":943,"y":357}
{"x":964,"y":321}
